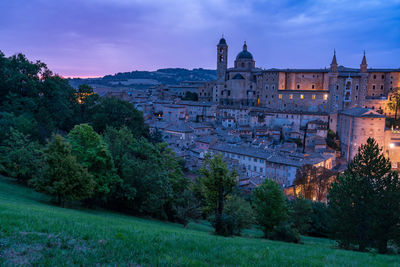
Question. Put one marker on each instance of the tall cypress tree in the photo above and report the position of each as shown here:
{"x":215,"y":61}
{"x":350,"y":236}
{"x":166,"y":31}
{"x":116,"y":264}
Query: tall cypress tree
{"x":359,"y":200}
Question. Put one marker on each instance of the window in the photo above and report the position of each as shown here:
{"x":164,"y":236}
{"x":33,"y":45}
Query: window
{"x":280,"y":96}
{"x":325,"y":96}
{"x":374,"y":77}
{"x":357,"y":87}
{"x":301,"y":96}
{"x":337,"y":87}
{"x":313,"y":97}
{"x":313,"y":86}
{"x":255,"y":160}
{"x":255,"y":168}
{"x":261,"y":170}
{"x":356,"y":97}
{"x":266,"y":96}
{"x":298,"y":86}
{"x":381,"y":87}
{"x":266,"y":87}
{"x":273,"y":87}
{"x":383,"y":77}
{"x":337,"y":98}
{"x":290,"y":96}
{"x":373,"y":87}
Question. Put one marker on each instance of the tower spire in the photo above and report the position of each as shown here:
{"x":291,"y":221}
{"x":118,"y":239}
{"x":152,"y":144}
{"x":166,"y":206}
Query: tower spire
{"x":334,"y":65}
{"x":364,"y":65}
{"x":244,"y":46}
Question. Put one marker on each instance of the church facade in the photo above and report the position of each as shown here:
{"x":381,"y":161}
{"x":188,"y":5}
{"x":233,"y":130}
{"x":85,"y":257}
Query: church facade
{"x":327,"y":90}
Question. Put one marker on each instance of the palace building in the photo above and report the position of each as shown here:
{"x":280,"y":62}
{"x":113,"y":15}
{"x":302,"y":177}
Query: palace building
{"x":326,"y":90}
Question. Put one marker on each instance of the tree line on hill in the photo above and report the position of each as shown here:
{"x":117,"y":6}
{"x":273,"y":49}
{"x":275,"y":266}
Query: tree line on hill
{"x":82,"y":149}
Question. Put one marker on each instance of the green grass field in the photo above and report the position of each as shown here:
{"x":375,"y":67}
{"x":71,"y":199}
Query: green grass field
{"x":34,"y":232}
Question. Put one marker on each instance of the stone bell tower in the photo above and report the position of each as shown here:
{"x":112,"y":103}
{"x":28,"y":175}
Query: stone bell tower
{"x":222,"y":59}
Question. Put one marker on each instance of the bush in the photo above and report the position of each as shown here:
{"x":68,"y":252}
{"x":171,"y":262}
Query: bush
{"x":228,"y":224}
{"x":300,"y":214}
{"x":320,"y":220}
{"x":285,"y":232}
{"x":269,"y":205}
{"x":241,"y":211}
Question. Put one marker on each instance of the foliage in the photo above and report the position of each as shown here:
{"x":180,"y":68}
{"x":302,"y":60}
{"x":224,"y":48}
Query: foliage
{"x":313,"y":182}
{"x":300,"y":214}
{"x":187,"y":208}
{"x":331,"y":140}
{"x":320,"y":220}
{"x":241,"y":211}
{"x":284,"y":232}
{"x":101,"y":237}
{"x":87,"y":99}
{"x":159,"y":192}
{"x":365,"y":200}
{"x":63,"y":178}
{"x":19,"y":157}
{"x":269,"y":205}
{"x":24,"y":123}
{"x":217,"y":182}
{"x":225,"y":223}
{"x":394,"y":101}
{"x":191,"y":96}
{"x":113,"y":112}
{"x":91,"y":151}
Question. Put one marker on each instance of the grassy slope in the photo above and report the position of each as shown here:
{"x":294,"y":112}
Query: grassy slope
{"x":34,"y":232}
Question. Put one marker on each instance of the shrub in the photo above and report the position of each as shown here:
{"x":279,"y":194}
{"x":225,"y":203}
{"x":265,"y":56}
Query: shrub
{"x":241,"y":211}
{"x":285,"y":232}
{"x":320,"y":220}
{"x":269,"y":205}
{"x":227,"y":224}
{"x":300,"y":214}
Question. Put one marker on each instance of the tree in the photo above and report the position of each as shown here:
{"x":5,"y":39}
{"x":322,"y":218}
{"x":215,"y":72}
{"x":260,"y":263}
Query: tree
{"x":269,"y":205}
{"x":305,"y":177}
{"x":313,"y":182}
{"x":116,"y":113}
{"x":359,"y":200}
{"x":241,"y":211}
{"x":86,"y":99}
{"x":394,"y":101}
{"x":217,"y":182}
{"x":91,"y":151}
{"x":19,"y":157}
{"x":63,"y":178}
{"x":320,"y":220}
{"x":300,"y":214}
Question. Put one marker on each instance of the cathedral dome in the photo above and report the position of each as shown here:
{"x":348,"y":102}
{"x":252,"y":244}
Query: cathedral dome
{"x":244,"y":54}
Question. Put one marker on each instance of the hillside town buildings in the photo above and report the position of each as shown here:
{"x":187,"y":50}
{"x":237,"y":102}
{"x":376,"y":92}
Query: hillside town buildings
{"x":267,"y":123}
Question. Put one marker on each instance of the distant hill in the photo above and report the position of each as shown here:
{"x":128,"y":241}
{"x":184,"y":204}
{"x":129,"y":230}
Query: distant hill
{"x":144,"y":79}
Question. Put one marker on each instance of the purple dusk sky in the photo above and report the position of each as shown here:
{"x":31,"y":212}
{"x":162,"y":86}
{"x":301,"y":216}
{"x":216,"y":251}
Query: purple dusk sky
{"x":97,"y":37}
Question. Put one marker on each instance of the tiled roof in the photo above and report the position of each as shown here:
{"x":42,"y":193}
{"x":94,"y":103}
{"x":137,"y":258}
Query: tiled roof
{"x":361,"y":112}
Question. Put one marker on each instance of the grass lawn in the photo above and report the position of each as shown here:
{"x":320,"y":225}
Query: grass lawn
{"x":34,"y":232}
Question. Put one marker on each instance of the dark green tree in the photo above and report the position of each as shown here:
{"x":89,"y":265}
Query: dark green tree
{"x":241,"y":211}
{"x":64,"y":178}
{"x":20,"y":158}
{"x":91,"y":151}
{"x":300,"y":214}
{"x":358,"y":200}
{"x":116,"y":113}
{"x":270,"y":206}
{"x":217,"y":182}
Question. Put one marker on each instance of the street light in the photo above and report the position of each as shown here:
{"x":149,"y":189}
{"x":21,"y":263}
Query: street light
{"x":391,"y":145}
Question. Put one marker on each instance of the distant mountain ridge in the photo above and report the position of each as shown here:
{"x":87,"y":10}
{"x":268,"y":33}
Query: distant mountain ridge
{"x":143,"y":79}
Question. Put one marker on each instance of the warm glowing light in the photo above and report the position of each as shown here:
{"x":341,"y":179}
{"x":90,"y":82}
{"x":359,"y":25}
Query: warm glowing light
{"x":280,"y":96}
{"x":325,"y":96}
{"x":313,"y":97}
{"x":391,"y":145}
{"x":301,"y":96}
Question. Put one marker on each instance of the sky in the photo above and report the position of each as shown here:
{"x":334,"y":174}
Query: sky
{"x":91,"y":38}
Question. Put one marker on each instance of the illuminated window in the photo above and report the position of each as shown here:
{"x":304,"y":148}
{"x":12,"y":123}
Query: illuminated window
{"x":313,"y":97}
{"x":301,"y":96}
{"x":280,"y":96}
{"x":291,"y":96}
{"x":325,"y":96}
